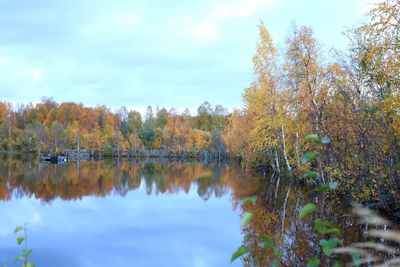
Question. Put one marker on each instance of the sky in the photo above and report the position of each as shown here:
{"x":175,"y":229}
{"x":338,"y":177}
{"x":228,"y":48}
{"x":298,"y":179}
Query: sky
{"x":135,"y":53}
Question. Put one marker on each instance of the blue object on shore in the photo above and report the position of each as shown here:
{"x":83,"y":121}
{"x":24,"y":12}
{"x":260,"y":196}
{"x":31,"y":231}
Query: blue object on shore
{"x":54,"y":159}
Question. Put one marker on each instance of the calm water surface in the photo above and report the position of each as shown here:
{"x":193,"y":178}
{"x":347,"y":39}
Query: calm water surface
{"x":124,"y":213}
{"x":110,"y":213}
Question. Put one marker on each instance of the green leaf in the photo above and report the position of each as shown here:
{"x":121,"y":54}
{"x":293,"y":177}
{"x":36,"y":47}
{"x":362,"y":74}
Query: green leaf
{"x":311,"y":174}
{"x":314,"y":262}
{"x":248,"y":236}
{"x":269,"y":243}
{"x":356,"y":258}
{"x":251,"y":200}
{"x":338,"y":264}
{"x":314,"y":138}
{"x":325,"y":140}
{"x":333,"y":185}
{"x":329,"y":245}
{"x":17,"y":259}
{"x":325,"y":227}
{"x":275,"y":263}
{"x":323,"y":188}
{"x":20,"y":240}
{"x":246,"y":218}
{"x":28,"y":264}
{"x":307,"y":209}
{"x":319,"y":226}
{"x":333,"y":230}
{"x":17,"y":229}
{"x":239,"y":252}
{"x":310,"y":156}
{"x":26,"y":253}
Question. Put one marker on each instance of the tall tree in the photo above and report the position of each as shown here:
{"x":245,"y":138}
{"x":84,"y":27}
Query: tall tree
{"x":57,"y":133}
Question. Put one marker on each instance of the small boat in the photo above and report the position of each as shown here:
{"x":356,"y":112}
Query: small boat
{"x":54,"y":159}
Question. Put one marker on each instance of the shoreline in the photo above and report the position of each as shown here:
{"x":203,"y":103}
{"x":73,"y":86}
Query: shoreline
{"x":136,"y":154}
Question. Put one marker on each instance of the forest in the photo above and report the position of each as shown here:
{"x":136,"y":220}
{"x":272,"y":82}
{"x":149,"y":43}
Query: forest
{"x":52,"y":127}
{"x":352,"y":98}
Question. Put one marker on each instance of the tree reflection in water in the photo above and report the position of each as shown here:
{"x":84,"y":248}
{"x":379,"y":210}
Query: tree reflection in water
{"x":23,"y":176}
{"x":276,"y":215}
{"x":275,"y":212}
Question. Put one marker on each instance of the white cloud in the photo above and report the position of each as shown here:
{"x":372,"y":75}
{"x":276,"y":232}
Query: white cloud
{"x":111,"y":26}
{"x":209,"y":29}
{"x":244,"y":9}
{"x":5,"y":61}
{"x":367,"y":5}
{"x":204,"y":31}
{"x":17,"y":73}
{"x":35,"y":217}
{"x":36,"y":74}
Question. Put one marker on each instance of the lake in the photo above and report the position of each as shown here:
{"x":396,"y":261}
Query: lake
{"x":120,"y":213}
{"x":151,"y":213}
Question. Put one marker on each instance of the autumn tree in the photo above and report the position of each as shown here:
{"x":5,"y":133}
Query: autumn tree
{"x":122,"y":114}
{"x":236,"y":134}
{"x":57,"y":135}
{"x":148,"y":134}
{"x":204,"y":116}
{"x":134,"y":122}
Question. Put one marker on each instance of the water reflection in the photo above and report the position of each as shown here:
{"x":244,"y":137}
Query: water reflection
{"x":23,"y":176}
{"x":122,"y":213}
{"x":276,"y":215}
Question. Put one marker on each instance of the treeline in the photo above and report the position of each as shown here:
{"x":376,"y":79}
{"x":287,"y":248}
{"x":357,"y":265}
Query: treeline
{"x":352,"y":97}
{"x":52,"y":127}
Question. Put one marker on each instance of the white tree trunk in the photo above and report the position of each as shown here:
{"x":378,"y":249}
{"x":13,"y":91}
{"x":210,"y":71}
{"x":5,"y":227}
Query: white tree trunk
{"x":284,"y":208}
{"x":289,"y":169}
{"x":278,"y":169}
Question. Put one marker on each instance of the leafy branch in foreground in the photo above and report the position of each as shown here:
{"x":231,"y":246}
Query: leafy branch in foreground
{"x":264,"y":241}
{"x":323,"y":227}
{"x":383,"y":252}
{"x":25,"y":253}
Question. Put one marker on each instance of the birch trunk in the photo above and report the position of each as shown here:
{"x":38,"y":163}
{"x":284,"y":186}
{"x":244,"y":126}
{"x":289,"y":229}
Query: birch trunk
{"x":297,"y":150}
{"x":289,"y":169}
{"x":278,"y":169}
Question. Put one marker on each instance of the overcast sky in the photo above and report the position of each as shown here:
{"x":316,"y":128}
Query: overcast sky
{"x":136,"y":53}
